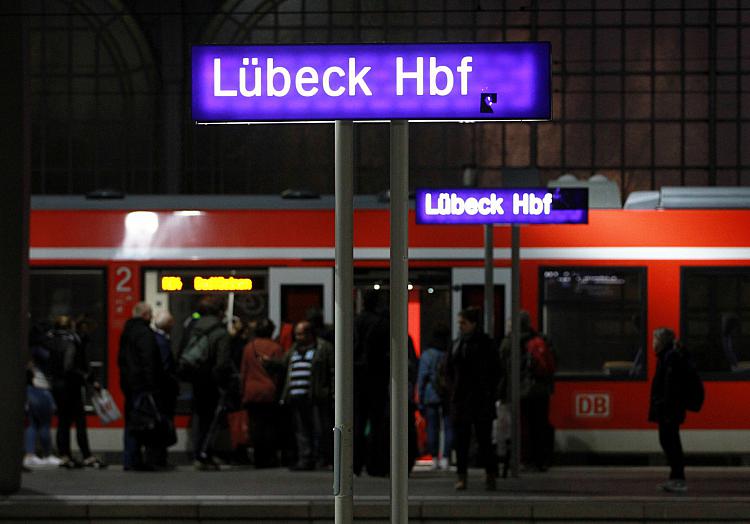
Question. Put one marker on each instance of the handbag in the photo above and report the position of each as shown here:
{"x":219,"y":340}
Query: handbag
{"x":148,"y":424}
{"x":239,"y":428}
{"x":105,"y":406}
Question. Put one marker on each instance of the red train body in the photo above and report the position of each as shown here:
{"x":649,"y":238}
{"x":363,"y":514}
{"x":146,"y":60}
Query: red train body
{"x":599,"y":414}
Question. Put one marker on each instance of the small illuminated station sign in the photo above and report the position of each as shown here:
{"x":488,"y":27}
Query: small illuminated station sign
{"x":171,"y":283}
{"x":502,"y":206}
{"x":323,"y":83}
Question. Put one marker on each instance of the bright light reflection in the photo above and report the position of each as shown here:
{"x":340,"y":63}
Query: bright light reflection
{"x":376,"y":287}
{"x":142,"y":223}
{"x":188,"y":213}
{"x":410,"y":287}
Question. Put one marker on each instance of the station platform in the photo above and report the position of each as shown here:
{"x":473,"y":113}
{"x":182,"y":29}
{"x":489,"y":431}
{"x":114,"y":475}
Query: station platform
{"x":563,"y":494}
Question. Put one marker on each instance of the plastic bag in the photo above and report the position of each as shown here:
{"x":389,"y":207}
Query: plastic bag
{"x":105,"y":406}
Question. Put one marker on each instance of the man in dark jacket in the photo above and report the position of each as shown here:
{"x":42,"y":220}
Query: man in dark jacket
{"x":371,"y":379}
{"x":308,"y":391}
{"x":667,"y":407}
{"x":141,"y":375}
{"x":211,"y":379}
{"x":473,"y":371}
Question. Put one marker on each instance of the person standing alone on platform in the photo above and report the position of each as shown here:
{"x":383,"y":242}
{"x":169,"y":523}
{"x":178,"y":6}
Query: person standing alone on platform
{"x":667,"y":408}
{"x":473,"y":372}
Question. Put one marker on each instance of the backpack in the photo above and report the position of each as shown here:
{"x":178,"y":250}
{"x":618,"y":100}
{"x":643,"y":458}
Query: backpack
{"x":542,"y":361}
{"x":195,"y":355}
{"x":693,"y":393}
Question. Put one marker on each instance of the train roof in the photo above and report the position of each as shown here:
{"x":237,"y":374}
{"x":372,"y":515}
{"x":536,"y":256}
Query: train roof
{"x":200,"y":202}
{"x":723,"y":197}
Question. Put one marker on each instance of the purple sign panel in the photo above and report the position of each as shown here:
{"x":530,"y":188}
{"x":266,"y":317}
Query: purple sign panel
{"x":503,"y":206}
{"x":465,"y":82}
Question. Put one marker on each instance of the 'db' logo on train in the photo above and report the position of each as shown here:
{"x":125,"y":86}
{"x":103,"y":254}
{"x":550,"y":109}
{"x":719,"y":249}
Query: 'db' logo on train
{"x":593,"y":405}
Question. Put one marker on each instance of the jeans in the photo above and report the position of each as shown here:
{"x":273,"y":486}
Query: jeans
{"x":669,"y":438}
{"x":41,"y":407}
{"x":434,"y":413}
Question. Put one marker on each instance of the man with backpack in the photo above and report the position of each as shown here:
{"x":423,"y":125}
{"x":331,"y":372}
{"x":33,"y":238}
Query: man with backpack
{"x":206,"y":363}
{"x":537,"y":384}
{"x":676,"y":387}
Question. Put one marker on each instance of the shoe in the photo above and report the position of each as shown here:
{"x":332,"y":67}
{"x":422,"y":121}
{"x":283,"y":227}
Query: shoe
{"x":52,"y":460}
{"x":33,"y":462}
{"x":460,"y":484}
{"x":490,"y":483}
{"x":94,"y":462}
{"x":69,"y":463}
{"x":674,"y":486}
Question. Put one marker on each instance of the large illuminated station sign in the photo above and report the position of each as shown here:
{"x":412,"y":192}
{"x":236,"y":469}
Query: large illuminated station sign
{"x":502,"y":206}
{"x":457,"y":82}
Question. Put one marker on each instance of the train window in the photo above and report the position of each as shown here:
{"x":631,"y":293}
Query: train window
{"x":595,"y":320}
{"x":79,"y":293}
{"x":715,"y":323}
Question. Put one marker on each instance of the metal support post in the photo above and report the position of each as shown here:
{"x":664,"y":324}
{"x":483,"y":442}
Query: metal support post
{"x":489,"y":281}
{"x":515,"y":352}
{"x":398,"y":322}
{"x":344,"y":324}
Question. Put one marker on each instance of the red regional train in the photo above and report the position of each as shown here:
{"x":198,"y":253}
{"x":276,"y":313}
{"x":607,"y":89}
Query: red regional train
{"x":597,"y":290}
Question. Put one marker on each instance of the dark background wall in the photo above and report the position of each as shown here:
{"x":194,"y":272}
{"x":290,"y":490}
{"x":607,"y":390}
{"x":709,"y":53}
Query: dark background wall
{"x":646,"y":92}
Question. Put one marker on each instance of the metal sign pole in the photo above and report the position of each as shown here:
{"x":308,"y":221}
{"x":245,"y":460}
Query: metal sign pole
{"x":398,"y":322}
{"x":489,"y":282}
{"x":344,"y":324}
{"x":515,"y":351}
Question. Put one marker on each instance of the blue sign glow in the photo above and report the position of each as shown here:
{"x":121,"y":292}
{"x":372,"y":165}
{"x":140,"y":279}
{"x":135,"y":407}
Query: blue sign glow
{"x":502,"y":206}
{"x":465,"y":82}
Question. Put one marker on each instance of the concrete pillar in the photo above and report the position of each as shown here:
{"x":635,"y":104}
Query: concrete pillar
{"x":14,"y":240}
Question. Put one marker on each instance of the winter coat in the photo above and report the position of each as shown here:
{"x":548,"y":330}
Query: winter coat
{"x":427,"y":376}
{"x":321,"y":378}
{"x":473,"y":371}
{"x":666,"y":402}
{"x":258,"y":385}
{"x":139,"y":359}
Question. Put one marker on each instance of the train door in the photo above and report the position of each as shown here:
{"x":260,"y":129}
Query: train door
{"x":468,"y":290}
{"x":292,"y":292}
{"x":429,"y":299}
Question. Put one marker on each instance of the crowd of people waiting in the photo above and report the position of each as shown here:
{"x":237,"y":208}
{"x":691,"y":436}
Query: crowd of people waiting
{"x":281,"y":398}
{"x":282,"y":388}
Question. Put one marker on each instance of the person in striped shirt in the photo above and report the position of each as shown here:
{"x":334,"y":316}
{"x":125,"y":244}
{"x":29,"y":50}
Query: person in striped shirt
{"x":308,"y":392}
